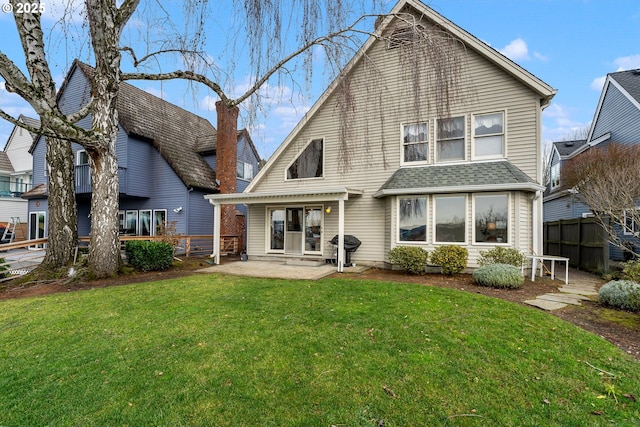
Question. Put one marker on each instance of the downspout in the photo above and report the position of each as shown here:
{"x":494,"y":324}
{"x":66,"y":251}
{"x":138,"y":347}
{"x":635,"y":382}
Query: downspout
{"x":537,"y":221}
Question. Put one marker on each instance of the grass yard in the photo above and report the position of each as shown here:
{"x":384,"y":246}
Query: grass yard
{"x":214,"y":350}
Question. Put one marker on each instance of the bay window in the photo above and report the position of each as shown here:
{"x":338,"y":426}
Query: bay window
{"x":450,"y":219}
{"x":412,"y":219}
{"x":491,"y":218}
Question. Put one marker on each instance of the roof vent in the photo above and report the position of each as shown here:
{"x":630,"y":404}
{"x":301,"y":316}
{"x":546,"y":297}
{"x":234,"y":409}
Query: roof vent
{"x":569,"y":144}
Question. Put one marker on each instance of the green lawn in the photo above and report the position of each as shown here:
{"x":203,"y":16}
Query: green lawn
{"x":213,"y":350}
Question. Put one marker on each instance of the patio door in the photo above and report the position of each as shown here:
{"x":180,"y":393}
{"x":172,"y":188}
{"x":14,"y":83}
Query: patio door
{"x":37,"y":223}
{"x":293,"y":236}
{"x":295,"y":230}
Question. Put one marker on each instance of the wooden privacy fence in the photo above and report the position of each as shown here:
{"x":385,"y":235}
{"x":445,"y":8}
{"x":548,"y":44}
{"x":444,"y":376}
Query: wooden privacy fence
{"x":582,"y":240}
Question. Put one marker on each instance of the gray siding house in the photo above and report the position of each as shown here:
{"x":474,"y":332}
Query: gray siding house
{"x":616,"y":120}
{"x":166,"y":164}
{"x":415,"y":176}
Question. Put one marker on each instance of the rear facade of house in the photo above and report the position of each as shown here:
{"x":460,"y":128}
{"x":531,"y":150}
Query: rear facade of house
{"x":403,"y":172}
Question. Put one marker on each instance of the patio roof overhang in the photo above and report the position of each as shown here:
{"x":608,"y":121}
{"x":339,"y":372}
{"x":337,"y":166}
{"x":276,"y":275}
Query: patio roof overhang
{"x":340,"y":195}
{"x":295,"y":196}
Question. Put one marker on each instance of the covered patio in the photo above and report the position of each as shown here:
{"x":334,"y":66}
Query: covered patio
{"x":301,"y":197}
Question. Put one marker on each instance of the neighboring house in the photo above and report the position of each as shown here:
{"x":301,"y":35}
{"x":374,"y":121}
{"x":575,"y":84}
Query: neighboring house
{"x":166,"y":164}
{"x":15,"y":171}
{"x":616,"y":119}
{"x":474,"y":183}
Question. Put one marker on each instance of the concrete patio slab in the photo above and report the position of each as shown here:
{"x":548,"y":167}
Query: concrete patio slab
{"x":278,"y":269}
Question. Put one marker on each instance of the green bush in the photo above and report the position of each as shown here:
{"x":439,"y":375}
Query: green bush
{"x":622,"y":294}
{"x":631,"y":271}
{"x":451,"y":258}
{"x":501,"y":255}
{"x":499,"y":276}
{"x":414,"y":259}
{"x":149,"y":256}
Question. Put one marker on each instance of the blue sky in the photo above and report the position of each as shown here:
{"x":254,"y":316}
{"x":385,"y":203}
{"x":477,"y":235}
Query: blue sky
{"x":570,"y":44}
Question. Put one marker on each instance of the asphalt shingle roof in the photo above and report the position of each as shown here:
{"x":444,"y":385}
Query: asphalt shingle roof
{"x":5,"y":163}
{"x":566,"y":148}
{"x":486,"y":174}
{"x":630,"y":81}
{"x":176,"y":133}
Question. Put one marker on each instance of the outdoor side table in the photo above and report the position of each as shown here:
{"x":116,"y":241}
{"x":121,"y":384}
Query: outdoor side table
{"x":552,"y":259}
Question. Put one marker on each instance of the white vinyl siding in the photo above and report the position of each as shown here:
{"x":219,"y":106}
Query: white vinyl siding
{"x":374,"y":151}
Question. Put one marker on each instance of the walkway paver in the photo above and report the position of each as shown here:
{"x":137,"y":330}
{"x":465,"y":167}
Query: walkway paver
{"x":582,"y":286}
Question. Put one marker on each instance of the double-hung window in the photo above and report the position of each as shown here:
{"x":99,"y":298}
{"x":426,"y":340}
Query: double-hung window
{"x":415,"y":142}
{"x":488,"y":135}
{"x":450,"y":140}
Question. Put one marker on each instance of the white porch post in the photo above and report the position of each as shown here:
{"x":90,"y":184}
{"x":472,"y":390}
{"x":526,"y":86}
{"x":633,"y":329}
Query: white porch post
{"x":340,"y":235}
{"x":216,"y":232}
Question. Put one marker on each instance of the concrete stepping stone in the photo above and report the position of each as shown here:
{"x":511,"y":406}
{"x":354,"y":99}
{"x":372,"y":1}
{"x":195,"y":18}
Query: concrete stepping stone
{"x":545,"y":304}
{"x":562,"y":298}
{"x":582,"y":290}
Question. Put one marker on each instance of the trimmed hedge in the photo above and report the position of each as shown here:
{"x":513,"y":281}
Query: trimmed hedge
{"x":622,"y":294}
{"x":451,"y":258}
{"x":411,"y":258}
{"x":149,"y":256}
{"x":502,"y":276}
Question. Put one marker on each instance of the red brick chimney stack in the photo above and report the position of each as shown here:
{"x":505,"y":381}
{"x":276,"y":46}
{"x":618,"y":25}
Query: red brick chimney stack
{"x":226,"y":160}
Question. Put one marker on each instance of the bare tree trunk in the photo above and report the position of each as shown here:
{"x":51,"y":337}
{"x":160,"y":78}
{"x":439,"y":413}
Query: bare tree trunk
{"x":63,"y":229}
{"x":104,"y":254}
{"x":104,"y":251}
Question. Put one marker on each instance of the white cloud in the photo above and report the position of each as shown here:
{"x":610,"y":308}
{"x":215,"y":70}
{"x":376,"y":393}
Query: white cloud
{"x":540,"y":57}
{"x":516,"y":50}
{"x":558,"y":123}
{"x":623,"y":63}
{"x":598,"y":83}
{"x":630,"y":62}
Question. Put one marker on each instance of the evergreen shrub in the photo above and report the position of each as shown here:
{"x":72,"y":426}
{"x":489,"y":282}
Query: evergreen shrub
{"x":411,"y":258}
{"x":502,"y":276}
{"x":631,"y":271}
{"x":149,"y":256}
{"x":622,"y":294}
{"x":451,"y":258}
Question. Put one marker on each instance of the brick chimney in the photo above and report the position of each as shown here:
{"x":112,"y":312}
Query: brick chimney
{"x":226,"y":160}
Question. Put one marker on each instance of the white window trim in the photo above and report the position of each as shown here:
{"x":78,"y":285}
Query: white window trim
{"x":153,"y":220}
{"x":428,"y":142}
{"x":322,"y":231}
{"x":635,"y":227}
{"x":78,"y":153}
{"x":504,"y":136}
{"x":244,"y":167}
{"x":267,"y":229}
{"x":466,"y":219}
{"x":510,"y":231}
{"x":435,"y":144}
{"x":426,"y":220}
{"x":297,"y":155}
{"x":555,"y":170}
{"x":150,"y":221}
